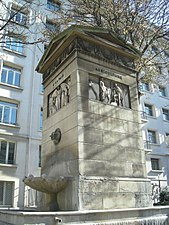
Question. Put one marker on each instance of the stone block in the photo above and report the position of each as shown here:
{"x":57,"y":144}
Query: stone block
{"x":102,"y":152}
{"x":73,"y":75}
{"x":68,"y":138}
{"x":119,"y":200}
{"x":67,"y":201}
{"x":60,"y":168}
{"x":134,"y":155}
{"x":90,"y":135}
{"x":98,"y":185}
{"x":86,"y":119}
{"x":131,"y":127}
{"x":125,"y":140}
{"x":83,"y":104}
{"x":73,"y":91}
{"x":93,"y":107}
{"x":88,"y":151}
{"x":60,"y":115}
{"x":91,"y":201}
{"x":104,"y":168}
{"x":143,"y":200}
{"x":82,"y":90}
{"x":134,"y":186}
{"x":82,"y":77}
{"x":138,"y":170}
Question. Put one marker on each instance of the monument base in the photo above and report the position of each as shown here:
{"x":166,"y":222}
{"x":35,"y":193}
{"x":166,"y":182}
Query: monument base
{"x":139,"y":216}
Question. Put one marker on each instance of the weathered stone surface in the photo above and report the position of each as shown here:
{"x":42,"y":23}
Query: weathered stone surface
{"x":90,"y":135}
{"x":99,"y":122}
{"x":102,"y":152}
{"x":118,"y":200}
{"x":124,"y":139}
{"x":105,"y":168}
{"x":146,"y":216}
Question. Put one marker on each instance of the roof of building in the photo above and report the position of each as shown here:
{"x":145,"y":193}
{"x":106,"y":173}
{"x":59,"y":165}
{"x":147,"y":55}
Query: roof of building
{"x":97,"y":35}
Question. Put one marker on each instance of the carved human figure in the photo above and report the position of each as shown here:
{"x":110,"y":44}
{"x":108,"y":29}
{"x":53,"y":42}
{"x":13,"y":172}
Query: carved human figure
{"x":56,"y":98}
{"x":68,"y":82}
{"x":51,"y":106}
{"x":65,"y":92}
{"x":91,"y":85}
{"x":105,"y":93}
{"x":114,"y":100}
{"x":119,"y":94}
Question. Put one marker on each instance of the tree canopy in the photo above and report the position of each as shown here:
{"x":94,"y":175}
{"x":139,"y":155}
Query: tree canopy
{"x":142,"y":23}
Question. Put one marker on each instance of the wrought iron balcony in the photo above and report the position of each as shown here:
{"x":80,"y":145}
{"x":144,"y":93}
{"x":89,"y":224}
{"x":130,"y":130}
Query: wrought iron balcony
{"x":143,"y":116}
{"x":147,"y":145}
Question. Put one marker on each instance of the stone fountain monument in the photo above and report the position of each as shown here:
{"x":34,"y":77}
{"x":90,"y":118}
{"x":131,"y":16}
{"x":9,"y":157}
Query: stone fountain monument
{"x":93,"y":161}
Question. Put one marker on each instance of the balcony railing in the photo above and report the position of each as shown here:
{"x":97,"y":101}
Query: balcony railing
{"x":147,"y":145}
{"x":143,"y":115}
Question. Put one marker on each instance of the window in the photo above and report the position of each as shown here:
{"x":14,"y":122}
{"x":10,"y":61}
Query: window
{"x":18,"y":16}
{"x":41,"y":118}
{"x":14,"y":44}
{"x":148,"y":110}
{"x":6,"y":193}
{"x":8,"y":113}
{"x":40,"y":152}
{"x":152,"y":136}
{"x":162,"y":91}
{"x":7,"y":152}
{"x":41,"y":84}
{"x":167,"y":138}
{"x":155,"y":164}
{"x":53,"y":5}
{"x":10,"y":76}
{"x":145,"y":87}
{"x":42,"y":88}
{"x":165,"y":114}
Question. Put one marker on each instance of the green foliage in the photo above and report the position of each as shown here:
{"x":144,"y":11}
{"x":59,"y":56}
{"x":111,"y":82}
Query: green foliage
{"x":164,"y":198}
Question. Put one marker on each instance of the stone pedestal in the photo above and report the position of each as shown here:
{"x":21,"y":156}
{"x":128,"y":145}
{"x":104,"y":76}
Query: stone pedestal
{"x":137,"y":216}
{"x":91,"y":123}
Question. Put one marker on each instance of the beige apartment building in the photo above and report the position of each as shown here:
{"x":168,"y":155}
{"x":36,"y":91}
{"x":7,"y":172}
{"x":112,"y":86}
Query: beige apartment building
{"x":155,"y":127}
{"x":21,"y":96}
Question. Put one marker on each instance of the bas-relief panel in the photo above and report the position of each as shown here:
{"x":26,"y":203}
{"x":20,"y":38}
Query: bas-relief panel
{"x":109,"y":92}
{"x":101,"y":89}
{"x":59,"y":97}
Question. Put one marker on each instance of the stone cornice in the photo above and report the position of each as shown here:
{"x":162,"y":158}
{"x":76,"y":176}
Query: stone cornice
{"x":93,"y":50}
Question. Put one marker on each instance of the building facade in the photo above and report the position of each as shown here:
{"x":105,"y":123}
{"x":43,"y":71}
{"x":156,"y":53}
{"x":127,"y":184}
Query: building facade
{"x":155,"y":127}
{"x":21,"y":95}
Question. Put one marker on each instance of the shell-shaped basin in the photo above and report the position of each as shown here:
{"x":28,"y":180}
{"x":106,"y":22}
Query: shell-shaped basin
{"x":47,"y":185}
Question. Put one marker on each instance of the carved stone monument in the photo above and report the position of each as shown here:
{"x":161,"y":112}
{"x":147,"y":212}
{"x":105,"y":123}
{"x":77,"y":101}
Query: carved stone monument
{"x":93,"y":161}
{"x":97,"y":157}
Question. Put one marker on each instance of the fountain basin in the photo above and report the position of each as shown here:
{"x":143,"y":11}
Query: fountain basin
{"x":47,"y":185}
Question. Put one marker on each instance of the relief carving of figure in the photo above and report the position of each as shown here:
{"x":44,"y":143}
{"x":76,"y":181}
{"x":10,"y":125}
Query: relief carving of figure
{"x":91,"y":85}
{"x":51,"y":106}
{"x":57,"y":98}
{"x":65,"y":94}
{"x":105,"y":93}
{"x":109,"y":92}
{"x":119,"y":93}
